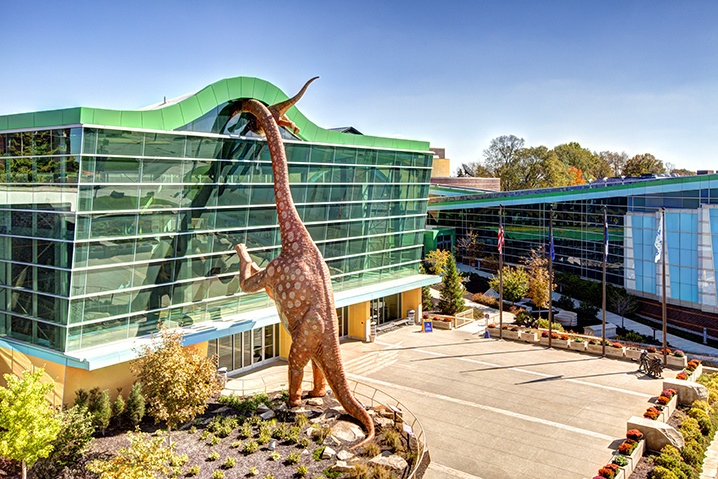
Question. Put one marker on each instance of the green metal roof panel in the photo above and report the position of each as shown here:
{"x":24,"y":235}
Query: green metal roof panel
{"x":176,"y":115}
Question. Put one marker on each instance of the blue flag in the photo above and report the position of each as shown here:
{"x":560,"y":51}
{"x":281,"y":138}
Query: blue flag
{"x":551,"y":250}
{"x":605,"y":239}
{"x":658,"y":243}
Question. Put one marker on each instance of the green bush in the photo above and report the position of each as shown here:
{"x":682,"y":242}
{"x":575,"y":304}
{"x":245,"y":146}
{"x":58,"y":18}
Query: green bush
{"x":222,"y":426}
{"x":230,"y":462}
{"x":218,"y":474}
{"x":292,"y":458}
{"x":587,"y":311}
{"x":693,"y":453}
{"x":135,"y":407}
{"x":675,"y":465}
{"x":193,"y":471}
{"x":100,"y":408}
{"x":250,"y":447}
{"x":302,"y":470}
{"x":543,"y":323}
{"x":118,"y":409}
{"x":564,"y":302}
{"x":213,"y":456}
{"x":704,"y":421}
{"x":660,"y":472}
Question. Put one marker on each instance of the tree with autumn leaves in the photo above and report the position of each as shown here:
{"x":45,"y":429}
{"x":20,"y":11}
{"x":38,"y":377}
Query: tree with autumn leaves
{"x":176,"y":381}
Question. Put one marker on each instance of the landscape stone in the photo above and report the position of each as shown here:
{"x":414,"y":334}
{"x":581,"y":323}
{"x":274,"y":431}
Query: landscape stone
{"x":262,"y":408}
{"x":347,"y":431}
{"x":383,"y":422}
{"x":328,"y":453}
{"x":393,"y":461}
{"x":342,"y":466}
{"x":657,"y":434}
{"x":332,"y":441}
{"x":688,"y":391}
{"x":267,"y":415}
{"x":317,"y":402}
{"x":344,"y":455}
{"x":335,"y":412}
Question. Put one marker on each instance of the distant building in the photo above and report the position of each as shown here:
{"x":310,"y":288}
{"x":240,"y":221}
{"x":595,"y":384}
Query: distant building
{"x":441,"y":175}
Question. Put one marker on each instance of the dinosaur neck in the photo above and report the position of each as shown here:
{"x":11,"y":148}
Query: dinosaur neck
{"x":287,"y":213}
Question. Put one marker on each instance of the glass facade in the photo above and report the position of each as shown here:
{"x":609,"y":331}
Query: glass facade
{"x":691,"y":224}
{"x":108,"y":233}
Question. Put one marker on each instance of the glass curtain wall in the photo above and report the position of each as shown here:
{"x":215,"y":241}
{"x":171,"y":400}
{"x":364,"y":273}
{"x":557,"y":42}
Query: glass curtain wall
{"x":108,"y":234}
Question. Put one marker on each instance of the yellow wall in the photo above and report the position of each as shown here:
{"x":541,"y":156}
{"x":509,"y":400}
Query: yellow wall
{"x":358,"y":316}
{"x":411,"y":300}
{"x":440,"y":168}
{"x":285,"y":342}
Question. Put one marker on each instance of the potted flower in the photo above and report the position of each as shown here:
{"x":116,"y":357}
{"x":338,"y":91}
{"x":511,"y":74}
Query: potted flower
{"x":512,"y":332}
{"x":609,"y":471}
{"x":682,"y":376}
{"x":631,"y":449}
{"x":560,"y":340}
{"x":652,"y":413}
{"x":577,"y":344}
{"x":669,"y":400}
{"x":530,"y":336}
{"x":676,"y":359}
{"x":615,"y":349}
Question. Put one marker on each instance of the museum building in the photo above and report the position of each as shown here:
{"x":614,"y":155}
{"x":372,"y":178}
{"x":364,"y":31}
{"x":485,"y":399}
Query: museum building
{"x":116,"y":224}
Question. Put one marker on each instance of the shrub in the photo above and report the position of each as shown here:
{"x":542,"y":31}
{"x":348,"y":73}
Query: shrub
{"x":620,"y":460}
{"x":543,"y":324}
{"x":215,"y":440}
{"x":634,"y":434}
{"x":264,"y":438}
{"x":301,"y":420}
{"x":230,"y":462}
{"x":303,"y":442}
{"x":135,"y":406}
{"x":392,"y":439}
{"x":586,"y":311}
{"x":704,"y":421}
{"x":564,"y":302}
{"x":118,"y":408}
{"x":372,"y":450}
{"x":523,"y":318}
{"x":222,"y":426}
{"x":692,"y":453}
{"x":193,"y":471}
{"x":275,"y":456}
{"x":213,"y":456}
{"x":360,"y":471}
{"x":302,"y":470}
{"x":218,"y":474}
{"x":490,"y":301}
{"x":74,"y":437}
{"x":99,"y":407}
{"x":292,"y":458}
{"x":250,"y":447}
{"x":660,"y":472}
{"x":253,"y":471}
{"x":675,"y":464}
{"x":678,"y":353}
{"x":317,"y":454}
{"x":691,"y":430}
{"x":245,"y":431}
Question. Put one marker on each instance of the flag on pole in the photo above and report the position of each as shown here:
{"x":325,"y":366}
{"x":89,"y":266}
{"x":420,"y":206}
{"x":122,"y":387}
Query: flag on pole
{"x":658,"y":243}
{"x":605,"y":238}
{"x":501,"y":238}
{"x":551,"y":250}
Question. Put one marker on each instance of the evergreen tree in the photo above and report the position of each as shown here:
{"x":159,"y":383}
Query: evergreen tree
{"x":28,"y":423}
{"x":427,"y":303}
{"x":136,"y":405}
{"x":100,"y":407}
{"x":452,"y":292}
{"x":118,"y":409}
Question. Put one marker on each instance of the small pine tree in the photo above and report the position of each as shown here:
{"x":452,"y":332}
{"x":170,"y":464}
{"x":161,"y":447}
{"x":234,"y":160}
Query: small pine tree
{"x":452,"y":292}
{"x":82,"y":398}
{"x":101,"y":409}
{"x":136,"y":405}
{"x":118,"y":409}
{"x":427,"y":303}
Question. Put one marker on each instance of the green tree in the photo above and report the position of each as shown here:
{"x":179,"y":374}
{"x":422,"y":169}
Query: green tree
{"x":28,"y":423}
{"x":100,"y":408}
{"x":592,"y":166}
{"x":145,"y":458}
{"x":645,"y":164}
{"x":136,"y":405}
{"x":118,"y":408}
{"x":516,"y":283}
{"x":473,"y":169}
{"x":452,"y":292}
{"x":71,"y":443}
{"x":176,"y":381}
{"x":682,"y":172}
{"x":427,"y":302}
{"x":540,"y":167}
{"x":503,"y":158}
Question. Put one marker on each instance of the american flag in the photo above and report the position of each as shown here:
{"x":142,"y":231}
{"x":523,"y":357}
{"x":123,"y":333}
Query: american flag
{"x":501,"y":238}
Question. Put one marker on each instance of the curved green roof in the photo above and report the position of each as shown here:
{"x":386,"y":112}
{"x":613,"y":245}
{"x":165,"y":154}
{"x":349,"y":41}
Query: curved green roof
{"x":176,"y":115}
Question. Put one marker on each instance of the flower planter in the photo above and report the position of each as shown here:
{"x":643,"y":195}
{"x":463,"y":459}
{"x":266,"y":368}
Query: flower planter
{"x":677,"y":362}
{"x":439,"y":324}
{"x":669,"y":408}
{"x":615,"y":352}
{"x":578,"y":346}
{"x":635,"y":456}
{"x":508,"y":334}
{"x":594,"y":348}
{"x":494,"y":332}
{"x":556,"y":343}
{"x":530,"y":336}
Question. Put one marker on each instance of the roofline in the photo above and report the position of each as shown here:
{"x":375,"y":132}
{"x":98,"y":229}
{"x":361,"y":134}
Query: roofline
{"x":176,"y":115}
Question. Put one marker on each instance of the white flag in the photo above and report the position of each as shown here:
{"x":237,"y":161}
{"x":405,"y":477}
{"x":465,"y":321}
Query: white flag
{"x":659,"y":240}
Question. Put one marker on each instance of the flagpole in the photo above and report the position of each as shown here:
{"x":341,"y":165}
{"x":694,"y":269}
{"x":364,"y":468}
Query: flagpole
{"x":550,"y":273}
{"x":663,"y":281}
{"x":605,"y":258}
{"x":502,"y":235}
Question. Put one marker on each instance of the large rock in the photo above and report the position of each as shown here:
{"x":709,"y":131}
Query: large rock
{"x":347,"y":431}
{"x":317,"y":402}
{"x":342,"y":466}
{"x":344,"y":455}
{"x":657,"y":434}
{"x":267,"y":415}
{"x":688,"y":391}
{"x":328,"y":453}
{"x":393,"y":461}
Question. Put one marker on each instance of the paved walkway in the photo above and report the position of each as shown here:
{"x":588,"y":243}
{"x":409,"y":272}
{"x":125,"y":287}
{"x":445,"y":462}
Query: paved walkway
{"x":498,"y":409}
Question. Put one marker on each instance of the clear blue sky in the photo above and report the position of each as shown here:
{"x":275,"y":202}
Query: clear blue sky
{"x":633,"y":76}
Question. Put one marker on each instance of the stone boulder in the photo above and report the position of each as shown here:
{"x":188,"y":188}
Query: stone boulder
{"x":657,"y":434}
{"x":392,"y":461}
{"x":347,"y":431}
{"x":688,"y":391}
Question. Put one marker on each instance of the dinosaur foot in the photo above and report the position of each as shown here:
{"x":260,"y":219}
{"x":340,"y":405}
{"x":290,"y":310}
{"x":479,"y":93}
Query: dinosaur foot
{"x":318,"y":393}
{"x":294,"y":401}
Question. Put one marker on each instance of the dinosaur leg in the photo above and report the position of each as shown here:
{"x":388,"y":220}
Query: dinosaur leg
{"x":320,"y":382}
{"x":298,"y":358}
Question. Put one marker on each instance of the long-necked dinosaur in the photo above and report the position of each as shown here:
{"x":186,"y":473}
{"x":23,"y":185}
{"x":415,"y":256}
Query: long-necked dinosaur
{"x":298,"y":279}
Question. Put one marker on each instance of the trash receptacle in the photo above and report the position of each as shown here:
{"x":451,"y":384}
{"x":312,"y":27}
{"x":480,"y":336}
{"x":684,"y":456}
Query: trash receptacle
{"x":372,"y":335}
{"x":411,"y":315}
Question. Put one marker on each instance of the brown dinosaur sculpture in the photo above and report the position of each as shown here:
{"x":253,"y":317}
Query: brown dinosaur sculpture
{"x":298,"y":280}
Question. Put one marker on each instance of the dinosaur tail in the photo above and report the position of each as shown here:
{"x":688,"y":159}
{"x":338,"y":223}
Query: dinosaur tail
{"x":285,"y":105}
{"x":336,"y":377}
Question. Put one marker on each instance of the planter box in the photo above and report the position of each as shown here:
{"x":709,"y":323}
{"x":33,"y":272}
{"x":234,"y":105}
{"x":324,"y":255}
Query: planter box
{"x":508,"y":334}
{"x":556,"y":343}
{"x":581,"y":346}
{"x":594,"y":348}
{"x":494,"y":332}
{"x":530,"y":336}
{"x":615,"y":352}
{"x":676,"y":362}
{"x":443,"y":324}
{"x":671,"y":406}
{"x":634,"y":457}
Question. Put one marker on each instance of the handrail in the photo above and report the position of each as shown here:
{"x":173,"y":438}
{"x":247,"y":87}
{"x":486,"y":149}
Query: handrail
{"x":362,"y":390}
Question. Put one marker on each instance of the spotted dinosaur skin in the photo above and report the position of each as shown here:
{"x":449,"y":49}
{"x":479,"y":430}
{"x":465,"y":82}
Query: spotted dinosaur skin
{"x":298,"y":280}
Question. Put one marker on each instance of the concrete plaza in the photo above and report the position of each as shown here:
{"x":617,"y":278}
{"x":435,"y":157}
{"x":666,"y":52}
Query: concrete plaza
{"x":498,"y":409}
